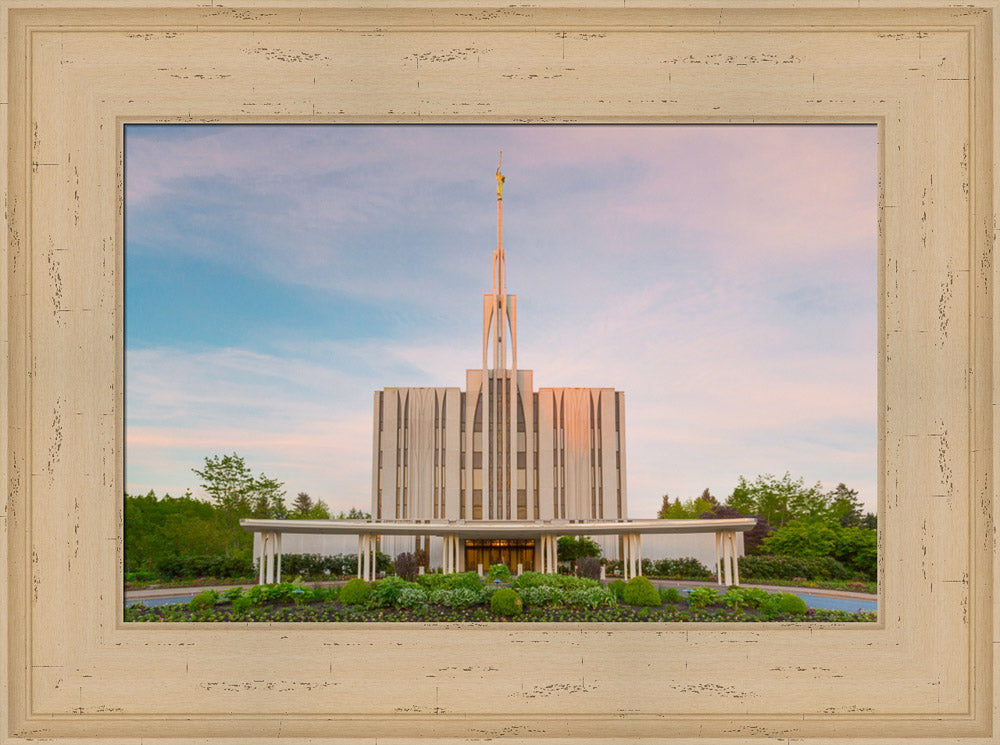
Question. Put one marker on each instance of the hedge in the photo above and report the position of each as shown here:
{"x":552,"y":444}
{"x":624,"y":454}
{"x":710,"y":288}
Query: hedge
{"x":791,"y":567}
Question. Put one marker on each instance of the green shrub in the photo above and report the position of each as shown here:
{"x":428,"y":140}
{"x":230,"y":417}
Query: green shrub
{"x":591,"y":597}
{"x":232,"y":593}
{"x":431,"y":582}
{"x":791,"y":567}
{"x":191,"y":567}
{"x":640,"y":591}
{"x":411,"y":597}
{"x":388,"y":591}
{"x":457,"y":597}
{"x":506,"y":602}
{"x":242,"y":604}
{"x":618,"y":589}
{"x":735,"y":597}
{"x":791,"y":604}
{"x":542,"y":595}
{"x":702,"y":597}
{"x":498,"y":572}
{"x":668,"y":594}
{"x":468,"y":580}
{"x":355,"y":592}
{"x":530,"y":579}
{"x":684,"y":568}
{"x":203,"y":600}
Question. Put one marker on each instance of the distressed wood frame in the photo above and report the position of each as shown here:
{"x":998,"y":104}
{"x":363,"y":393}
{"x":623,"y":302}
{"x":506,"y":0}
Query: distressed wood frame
{"x":924,"y":72}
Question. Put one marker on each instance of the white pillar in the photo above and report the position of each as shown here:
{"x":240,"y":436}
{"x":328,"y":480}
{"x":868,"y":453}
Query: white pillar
{"x":361,"y":552}
{"x":626,"y":557}
{"x":718,"y":558}
{"x":277,"y":548}
{"x":727,"y":559}
{"x":270,"y":558}
{"x":736,"y":560}
{"x":370,"y":558}
{"x":263,"y":553}
{"x":638,"y":555}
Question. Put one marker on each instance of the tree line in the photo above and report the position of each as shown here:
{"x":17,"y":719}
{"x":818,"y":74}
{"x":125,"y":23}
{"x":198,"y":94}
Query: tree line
{"x":161,"y":529}
{"x":792,"y":520}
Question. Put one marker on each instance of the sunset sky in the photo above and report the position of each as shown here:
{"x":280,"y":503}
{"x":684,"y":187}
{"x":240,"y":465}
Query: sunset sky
{"x":723,"y":277}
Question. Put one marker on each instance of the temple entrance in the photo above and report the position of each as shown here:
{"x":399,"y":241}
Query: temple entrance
{"x":504,"y":551}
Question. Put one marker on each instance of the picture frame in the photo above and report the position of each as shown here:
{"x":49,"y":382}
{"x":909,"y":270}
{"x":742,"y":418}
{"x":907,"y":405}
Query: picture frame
{"x":74,"y":671}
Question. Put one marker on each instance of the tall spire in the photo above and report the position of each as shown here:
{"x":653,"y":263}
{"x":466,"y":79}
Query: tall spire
{"x":499,"y":384}
{"x":500,"y":258}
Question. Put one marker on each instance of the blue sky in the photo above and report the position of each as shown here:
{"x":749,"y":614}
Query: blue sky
{"x":724,"y":277}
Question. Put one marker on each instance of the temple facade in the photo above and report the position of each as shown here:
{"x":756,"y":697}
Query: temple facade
{"x":499,"y":450}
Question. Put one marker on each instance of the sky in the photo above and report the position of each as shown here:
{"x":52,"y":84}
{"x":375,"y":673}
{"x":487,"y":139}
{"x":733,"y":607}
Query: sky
{"x":724,"y":277}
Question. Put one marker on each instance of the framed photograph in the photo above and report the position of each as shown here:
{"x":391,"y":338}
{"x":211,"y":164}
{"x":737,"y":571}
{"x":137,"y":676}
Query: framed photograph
{"x":75,"y":77}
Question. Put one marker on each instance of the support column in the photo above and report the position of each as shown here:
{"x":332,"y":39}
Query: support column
{"x":718,"y":558}
{"x":735,"y":558}
{"x":626,"y":557}
{"x":277,"y":548}
{"x":263,"y":554}
{"x":638,"y":554}
{"x":727,"y":559}
{"x":361,"y":553}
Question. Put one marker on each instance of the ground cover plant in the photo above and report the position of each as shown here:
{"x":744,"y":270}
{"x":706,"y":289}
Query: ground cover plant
{"x":531,"y":597}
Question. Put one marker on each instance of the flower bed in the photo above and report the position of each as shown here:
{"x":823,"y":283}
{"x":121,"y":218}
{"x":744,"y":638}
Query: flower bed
{"x":464,"y":598}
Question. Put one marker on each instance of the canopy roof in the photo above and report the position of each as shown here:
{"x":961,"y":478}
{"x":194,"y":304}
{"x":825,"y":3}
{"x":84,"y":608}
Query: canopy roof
{"x":504,"y":529}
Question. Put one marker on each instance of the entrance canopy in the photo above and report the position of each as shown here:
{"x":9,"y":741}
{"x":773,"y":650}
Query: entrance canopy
{"x":499,"y":529}
{"x":544,"y":533}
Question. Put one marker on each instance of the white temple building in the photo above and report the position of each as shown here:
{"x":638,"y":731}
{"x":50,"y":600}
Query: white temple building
{"x":495,"y":473}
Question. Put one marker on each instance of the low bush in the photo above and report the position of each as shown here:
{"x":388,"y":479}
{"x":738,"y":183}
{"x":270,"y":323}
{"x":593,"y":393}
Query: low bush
{"x":791,"y":604}
{"x":458,"y":597}
{"x":469,"y":580}
{"x":684,"y":568}
{"x":668,"y":594}
{"x":411,"y":597}
{"x":242,"y":604}
{"x":431,"y":582}
{"x":591,"y":597}
{"x":355,"y":592}
{"x":617,"y":588}
{"x":191,"y":567}
{"x":506,"y":602}
{"x":498,"y":572}
{"x":640,"y":591}
{"x":566,"y":581}
{"x":387,"y":592}
{"x":767,"y":567}
{"x":542,"y":595}
{"x":702,"y":597}
{"x":203,"y":600}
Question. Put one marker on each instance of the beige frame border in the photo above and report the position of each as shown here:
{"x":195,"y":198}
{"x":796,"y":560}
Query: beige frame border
{"x":73,"y":672}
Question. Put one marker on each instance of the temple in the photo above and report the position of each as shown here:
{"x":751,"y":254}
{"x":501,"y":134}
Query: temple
{"x":499,"y":450}
{"x":496,"y":473}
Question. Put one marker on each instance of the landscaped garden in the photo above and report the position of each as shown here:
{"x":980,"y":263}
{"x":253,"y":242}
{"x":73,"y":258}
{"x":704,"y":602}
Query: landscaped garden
{"x":531,"y":597}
